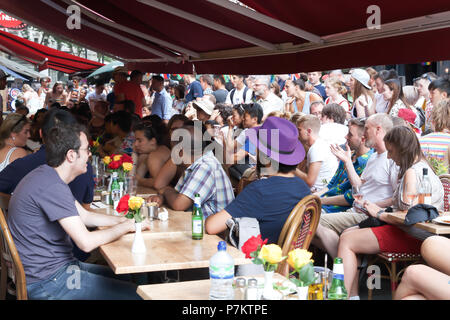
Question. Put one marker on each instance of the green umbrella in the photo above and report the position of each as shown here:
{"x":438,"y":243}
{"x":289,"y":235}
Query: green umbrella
{"x":104,"y":71}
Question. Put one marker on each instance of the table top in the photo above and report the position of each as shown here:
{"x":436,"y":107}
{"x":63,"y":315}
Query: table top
{"x":197,"y":290}
{"x":143,"y":192}
{"x":165,"y":251}
{"x":436,"y":228}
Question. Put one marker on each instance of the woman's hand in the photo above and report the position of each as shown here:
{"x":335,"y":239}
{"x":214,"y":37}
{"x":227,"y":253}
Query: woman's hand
{"x":159,"y":199}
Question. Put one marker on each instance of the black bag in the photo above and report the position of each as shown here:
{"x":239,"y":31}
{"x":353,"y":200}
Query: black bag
{"x":237,"y":170}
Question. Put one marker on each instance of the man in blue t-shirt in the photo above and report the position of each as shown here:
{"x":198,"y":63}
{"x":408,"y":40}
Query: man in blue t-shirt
{"x":43,"y":216}
{"x":269,"y":200}
{"x":194,"y":90}
{"x":82,"y":187}
{"x":314,"y":79}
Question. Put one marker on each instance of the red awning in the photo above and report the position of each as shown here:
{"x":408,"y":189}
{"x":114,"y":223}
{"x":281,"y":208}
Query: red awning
{"x":44,"y":56}
{"x":272,"y":36}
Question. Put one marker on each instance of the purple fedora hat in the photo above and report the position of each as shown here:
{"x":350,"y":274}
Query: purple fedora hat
{"x":278,"y":139}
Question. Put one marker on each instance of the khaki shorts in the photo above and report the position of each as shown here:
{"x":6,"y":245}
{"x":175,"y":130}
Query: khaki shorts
{"x":340,"y":221}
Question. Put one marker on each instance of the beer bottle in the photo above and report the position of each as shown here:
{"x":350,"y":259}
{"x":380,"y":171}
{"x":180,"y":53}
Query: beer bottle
{"x":115,"y":191}
{"x":337,"y":290}
{"x":197,"y":219}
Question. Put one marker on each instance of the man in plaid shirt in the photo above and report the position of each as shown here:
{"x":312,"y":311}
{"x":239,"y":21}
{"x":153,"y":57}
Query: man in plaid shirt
{"x":204,"y":175}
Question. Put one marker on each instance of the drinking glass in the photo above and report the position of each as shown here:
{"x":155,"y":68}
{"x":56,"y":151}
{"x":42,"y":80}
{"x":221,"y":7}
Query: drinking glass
{"x":411,"y":195}
{"x":131,"y":185}
{"x":356,"y":192}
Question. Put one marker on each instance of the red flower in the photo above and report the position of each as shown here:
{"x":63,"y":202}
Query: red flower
{"x":126,"y":158}
{"x":252,"y":244}
{"x":91,"y":143}
{"x":114,"y":165}
{"x":123,"y":204}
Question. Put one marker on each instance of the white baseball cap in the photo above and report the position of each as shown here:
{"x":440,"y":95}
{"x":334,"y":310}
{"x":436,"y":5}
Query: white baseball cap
{"x":206,"y":105}
{"x":362,"y":76}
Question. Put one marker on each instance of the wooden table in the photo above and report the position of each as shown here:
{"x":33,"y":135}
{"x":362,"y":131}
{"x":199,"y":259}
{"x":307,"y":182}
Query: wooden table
{"x":186,"y":290}
{"x":165,"y":251}
{"x":436,"y":228}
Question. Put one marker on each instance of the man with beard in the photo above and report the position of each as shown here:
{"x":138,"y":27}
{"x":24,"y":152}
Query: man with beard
{"x":377,"y":184}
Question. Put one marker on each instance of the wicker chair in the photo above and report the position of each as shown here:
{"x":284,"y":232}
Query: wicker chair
{"x":10,"y":255}
{"x":248,"y":177}
{"x":4,"y":257}
{"x":445,"y":180}
{"x":299,"y":228}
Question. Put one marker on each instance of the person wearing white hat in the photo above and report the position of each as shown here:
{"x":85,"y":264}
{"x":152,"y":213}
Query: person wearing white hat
{"x":362,"y":93}
{"x":204,"y":109}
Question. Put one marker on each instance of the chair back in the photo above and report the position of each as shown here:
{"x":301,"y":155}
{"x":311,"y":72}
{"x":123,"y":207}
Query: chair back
{"x":445,"y":180}
{"x":299,"y":228}
{"x":248,"y":177}
{"x":10,"y":259}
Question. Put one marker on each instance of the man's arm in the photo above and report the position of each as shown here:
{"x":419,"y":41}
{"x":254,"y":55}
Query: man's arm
{"x":88,"y":241}
{"x":335,"y":201}
{"x":313,"y":173}
{"x":92,"y":219}
{"x":177,"y":201}
{"x":216,"y":223}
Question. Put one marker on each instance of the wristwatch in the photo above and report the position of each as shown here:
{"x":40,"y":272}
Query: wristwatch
{"x":379,"y":214}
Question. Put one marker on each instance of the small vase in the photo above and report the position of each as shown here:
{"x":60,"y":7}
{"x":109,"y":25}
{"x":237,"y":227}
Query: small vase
{"x":138,"y":242}
{"x":268,"y":285}
{"x":302,"y":293}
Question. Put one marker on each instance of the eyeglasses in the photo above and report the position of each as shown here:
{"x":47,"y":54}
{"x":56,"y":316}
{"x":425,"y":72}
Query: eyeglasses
{"x":17,"y":123}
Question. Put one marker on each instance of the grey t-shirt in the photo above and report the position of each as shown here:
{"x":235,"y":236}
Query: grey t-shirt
{"x":38,"y":202}
{"x":221,"y":95}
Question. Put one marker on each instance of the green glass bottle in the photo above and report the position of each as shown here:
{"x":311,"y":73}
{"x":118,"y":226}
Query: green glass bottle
{"x":115,"y":190}
{"x":337,"y":290}
{"x":197,"y":219}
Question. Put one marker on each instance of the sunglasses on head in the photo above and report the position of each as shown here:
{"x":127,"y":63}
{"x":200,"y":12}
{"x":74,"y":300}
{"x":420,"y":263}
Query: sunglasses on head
{"x":17,"y":123}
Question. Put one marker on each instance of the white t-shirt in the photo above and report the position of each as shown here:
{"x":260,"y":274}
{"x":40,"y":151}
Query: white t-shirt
{"x":382,"y":105}
{"x":93,"y":96}
{"x":271,"y":103}
{"x":380,"y":178}
{"x":333,"y":133}
{"x":320,"y":151}
{"x":238,"y":96}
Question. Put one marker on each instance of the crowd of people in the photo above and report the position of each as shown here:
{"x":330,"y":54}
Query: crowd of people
{"x":361,"y":130}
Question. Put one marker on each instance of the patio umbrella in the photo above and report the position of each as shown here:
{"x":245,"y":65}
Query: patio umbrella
{"x":104,"y":72}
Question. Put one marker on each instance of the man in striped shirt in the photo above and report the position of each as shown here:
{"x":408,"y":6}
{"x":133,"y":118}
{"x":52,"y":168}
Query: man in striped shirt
{"x":203,"y":175}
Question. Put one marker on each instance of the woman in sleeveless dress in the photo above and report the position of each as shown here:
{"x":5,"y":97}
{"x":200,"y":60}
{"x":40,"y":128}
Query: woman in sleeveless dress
{"x":299,"y":99}
{"x":14,"y":133}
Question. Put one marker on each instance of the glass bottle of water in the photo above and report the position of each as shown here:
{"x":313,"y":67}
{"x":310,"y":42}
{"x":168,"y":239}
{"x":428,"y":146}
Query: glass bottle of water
{"x":221,"y":273}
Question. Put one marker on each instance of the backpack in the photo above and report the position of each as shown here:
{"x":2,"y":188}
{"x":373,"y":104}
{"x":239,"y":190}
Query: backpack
{"x":240,"y":230}
{"x":244,"y":95}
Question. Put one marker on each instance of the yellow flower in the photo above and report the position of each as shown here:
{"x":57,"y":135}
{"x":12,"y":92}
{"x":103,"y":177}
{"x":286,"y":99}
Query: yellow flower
{"x":117,"y":157}
{"x":271,"y":253}
{"x":95,"y":144}
{"x":135,"y":203}
{"x":107,"y":160}
{"x":298,"y":258}
{"x":127,"y":166}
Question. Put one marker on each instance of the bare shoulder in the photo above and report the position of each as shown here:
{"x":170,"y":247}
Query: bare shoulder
{"x":18,"y":153}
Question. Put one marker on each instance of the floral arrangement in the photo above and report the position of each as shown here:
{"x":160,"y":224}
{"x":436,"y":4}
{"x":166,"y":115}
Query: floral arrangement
{"x":268,"y":255}
{"x":131,"y":207}
{"x":117,"y":162}
{"x":300,"y":260}
{"x":94,"y":144}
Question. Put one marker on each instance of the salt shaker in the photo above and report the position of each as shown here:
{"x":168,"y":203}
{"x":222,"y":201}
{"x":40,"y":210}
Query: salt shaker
{"x":252,"y":290}
{"x":239,"y":291}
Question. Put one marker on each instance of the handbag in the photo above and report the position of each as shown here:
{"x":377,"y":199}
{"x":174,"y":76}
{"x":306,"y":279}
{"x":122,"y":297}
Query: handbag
{"x":372,"y":222}
{"x":421,"y":115}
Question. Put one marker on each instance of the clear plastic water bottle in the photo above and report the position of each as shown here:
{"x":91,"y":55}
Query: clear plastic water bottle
{"x":221,"y":273}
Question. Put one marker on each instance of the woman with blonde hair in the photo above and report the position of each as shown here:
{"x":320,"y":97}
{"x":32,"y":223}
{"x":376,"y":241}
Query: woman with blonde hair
{"x":335,"y":90}
{"x":14,"y":133}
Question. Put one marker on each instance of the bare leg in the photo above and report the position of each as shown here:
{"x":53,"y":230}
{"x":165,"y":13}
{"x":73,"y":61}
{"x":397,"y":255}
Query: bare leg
{"x":327,"y":239}
{"x":350,"y":244}
{"x":436,"y":252}
{"x":420,"y":281}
